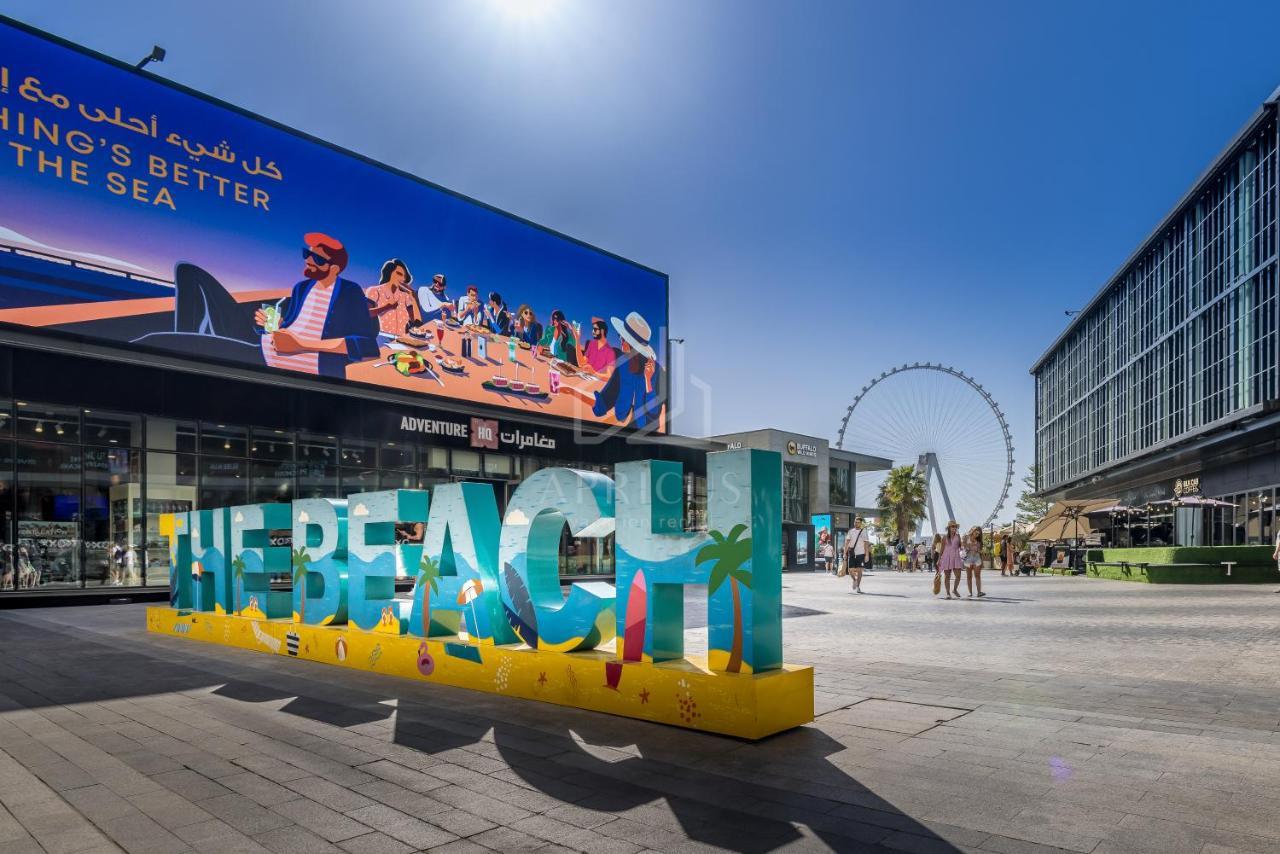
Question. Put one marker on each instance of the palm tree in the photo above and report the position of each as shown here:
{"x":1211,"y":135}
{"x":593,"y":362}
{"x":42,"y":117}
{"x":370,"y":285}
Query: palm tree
{"x":300,"y":562}
{"x":428,"y":572}
{"x":729,"y":554}
{"x":902,"y":500}
{"x":237,"y":572}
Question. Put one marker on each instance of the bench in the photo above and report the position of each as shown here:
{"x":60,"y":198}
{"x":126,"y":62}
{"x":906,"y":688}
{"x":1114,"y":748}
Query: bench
{"x":1123,"y":565}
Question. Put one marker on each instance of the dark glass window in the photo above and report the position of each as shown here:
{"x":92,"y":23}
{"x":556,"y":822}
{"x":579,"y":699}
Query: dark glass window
{"x":171,"y":488}
{"x":396,"y":455}
{"x":840,"y":485}
{"x":272,"y":482}
{"x":223,"y":483}
{"x":112,"y":428}
{"x":49,"y":513}
{"x":358,"y":453}
{"x":168,"y":434}
{"x":223,"y":440}
{"x":44,"y":423}
{"x":112,"y":518}
{"x":271,"y":444}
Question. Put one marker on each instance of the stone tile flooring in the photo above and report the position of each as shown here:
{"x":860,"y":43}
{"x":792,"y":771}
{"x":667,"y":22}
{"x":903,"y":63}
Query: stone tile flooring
{"x":1057,"y":713}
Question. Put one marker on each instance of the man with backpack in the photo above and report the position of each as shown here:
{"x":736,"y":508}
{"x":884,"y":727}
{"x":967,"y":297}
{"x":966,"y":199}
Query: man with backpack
{"x":857,"y":552}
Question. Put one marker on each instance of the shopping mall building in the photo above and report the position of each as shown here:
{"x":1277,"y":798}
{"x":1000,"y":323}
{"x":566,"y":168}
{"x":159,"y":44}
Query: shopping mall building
{"x":140,"y":374}
{"x":1165,"y":385}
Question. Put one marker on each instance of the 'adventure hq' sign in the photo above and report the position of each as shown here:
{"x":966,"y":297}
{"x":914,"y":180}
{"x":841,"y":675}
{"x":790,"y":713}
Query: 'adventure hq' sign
{"x":488,"y":584}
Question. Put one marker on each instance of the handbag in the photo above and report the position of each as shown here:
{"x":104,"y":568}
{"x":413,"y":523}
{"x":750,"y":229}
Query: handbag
{"x":843,"y":570}
{"x":937,"y":584}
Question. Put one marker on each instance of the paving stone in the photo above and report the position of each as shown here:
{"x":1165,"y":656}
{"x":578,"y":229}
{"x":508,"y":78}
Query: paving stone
{"x":405,"y":828}
{"x":319,"y":819}
{"x":243,"y":814}
{"x":295,"y":840}
{"x":375,"y":843}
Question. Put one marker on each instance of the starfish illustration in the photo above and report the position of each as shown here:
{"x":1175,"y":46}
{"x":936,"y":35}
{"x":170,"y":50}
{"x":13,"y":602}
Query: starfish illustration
{"x":542,"y":678}
{"x":644,"y":695}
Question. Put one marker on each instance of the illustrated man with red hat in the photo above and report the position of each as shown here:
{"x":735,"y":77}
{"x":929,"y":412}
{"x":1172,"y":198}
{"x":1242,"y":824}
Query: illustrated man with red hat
{"x":325,"y":323}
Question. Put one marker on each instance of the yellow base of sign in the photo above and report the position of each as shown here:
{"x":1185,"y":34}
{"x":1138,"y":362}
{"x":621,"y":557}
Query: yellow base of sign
{"x":680,"y":693}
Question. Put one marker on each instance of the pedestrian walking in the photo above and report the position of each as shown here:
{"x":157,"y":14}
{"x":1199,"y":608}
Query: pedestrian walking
{"x":901,"y":550}
{"x":931,"y":555}
{"x":857,"y":552}
{"x":997,"y":553}
{"x":973,"y":560}
{"x":826,"y":555}
{"x":949,"y":560}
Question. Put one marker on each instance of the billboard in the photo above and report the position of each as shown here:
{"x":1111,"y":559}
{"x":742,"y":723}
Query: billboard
{"x":138,"y":213}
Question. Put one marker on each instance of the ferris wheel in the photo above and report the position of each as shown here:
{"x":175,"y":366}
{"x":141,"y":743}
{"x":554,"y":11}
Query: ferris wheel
{"x":948,"y":426}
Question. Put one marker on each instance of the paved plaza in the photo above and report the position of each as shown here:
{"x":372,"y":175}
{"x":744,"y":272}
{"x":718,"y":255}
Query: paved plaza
{"x":1057,"y":713}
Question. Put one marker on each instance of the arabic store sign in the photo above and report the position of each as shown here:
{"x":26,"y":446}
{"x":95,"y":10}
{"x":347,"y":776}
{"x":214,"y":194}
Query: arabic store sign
{"x":487,"y":588}
{"x":484,"y":433}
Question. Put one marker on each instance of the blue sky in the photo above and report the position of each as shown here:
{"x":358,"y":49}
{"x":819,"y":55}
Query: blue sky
{"x":945,"y":178}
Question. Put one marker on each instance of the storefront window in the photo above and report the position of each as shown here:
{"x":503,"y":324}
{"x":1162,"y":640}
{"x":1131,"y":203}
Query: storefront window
{"x":271,"y":444}
{"x":44,"y":423}
{"x":171,"y":488}
{"x":466,"y":462}
{"x":398,"y":480}
{"x":358,"y":453}
{"x":840,"y":487}
{"x":48,"y":499}
{"x":497,"y":465}
{"x":695,"y":502}
{"x":223,"y":440}
{"x":8,"y":574}
{"x":112,"y":518}
{"x":272,"y":482}
{"x":112,"y":428}
{"x":396,"y":455}
{"x":436,"y":460}
{"x":358,"y":480}
{"x":1267,"y":521}
{"x":585,"y":555}
{"x":1241,"y":520}
{"x":223,"y":483}
{"x":795,"y":493}
{"x":167,"y":434}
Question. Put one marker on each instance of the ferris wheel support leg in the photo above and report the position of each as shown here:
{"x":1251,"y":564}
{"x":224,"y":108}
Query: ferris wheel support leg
{"x":942,"y":484}
{"x":924,"y":468}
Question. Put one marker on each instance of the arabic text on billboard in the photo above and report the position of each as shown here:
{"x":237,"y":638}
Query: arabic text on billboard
{"x":137,"y":213}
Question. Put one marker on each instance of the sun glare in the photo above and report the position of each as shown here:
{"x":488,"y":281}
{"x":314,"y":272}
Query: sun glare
{"x":526,"y":9}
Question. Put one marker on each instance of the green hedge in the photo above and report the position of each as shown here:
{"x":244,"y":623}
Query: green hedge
{"x":1253,"y":564}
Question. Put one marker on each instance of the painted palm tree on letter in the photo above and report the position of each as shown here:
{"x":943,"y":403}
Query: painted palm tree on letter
{"x":729,"y":554}
{"x":301,"y":560}
{"x":428,"y":572}
{"x":237,"y":572}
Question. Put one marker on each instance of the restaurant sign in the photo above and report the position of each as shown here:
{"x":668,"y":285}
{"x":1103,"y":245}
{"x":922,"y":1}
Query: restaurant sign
{"x":1186,"y":486}
{"x":487,"y":611}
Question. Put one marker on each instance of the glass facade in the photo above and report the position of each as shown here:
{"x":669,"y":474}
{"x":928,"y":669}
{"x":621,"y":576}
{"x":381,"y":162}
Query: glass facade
{"x":795,"y":493}
{"x":1183,"y":339}
{"x":82,"y":490}
{"x":840,"y":485}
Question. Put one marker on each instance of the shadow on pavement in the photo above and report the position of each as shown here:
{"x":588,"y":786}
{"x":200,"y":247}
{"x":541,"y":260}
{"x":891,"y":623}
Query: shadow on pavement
{"x":720,"y":791}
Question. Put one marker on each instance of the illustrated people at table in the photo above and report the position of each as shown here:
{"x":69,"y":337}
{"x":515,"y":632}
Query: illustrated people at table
{"x":469,"y":309}
{"x":560,"y":339}
{"x":632,"y":391}
{"x":392,"y":301}
{"x":527,"y":328}
{"x":433,"y":300}
{"x":496,"y":316}
{"x":598,"y":353}
{"x":324,"y":324}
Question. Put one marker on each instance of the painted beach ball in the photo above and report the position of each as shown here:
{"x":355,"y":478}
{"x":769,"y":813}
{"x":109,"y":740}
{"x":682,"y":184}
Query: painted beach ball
{"x":340,"y":649}
{"x":426,"y":664}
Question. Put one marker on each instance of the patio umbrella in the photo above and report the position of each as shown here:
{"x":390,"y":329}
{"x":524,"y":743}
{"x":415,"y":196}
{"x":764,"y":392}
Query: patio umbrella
{"x":1057,"y":528}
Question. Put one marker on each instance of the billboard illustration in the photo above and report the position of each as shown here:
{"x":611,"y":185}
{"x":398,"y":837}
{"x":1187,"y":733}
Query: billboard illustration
{"x":136,"y":213}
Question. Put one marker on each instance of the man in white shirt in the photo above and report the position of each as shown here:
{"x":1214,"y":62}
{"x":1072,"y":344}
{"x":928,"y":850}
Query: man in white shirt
{"x":857,"y":552}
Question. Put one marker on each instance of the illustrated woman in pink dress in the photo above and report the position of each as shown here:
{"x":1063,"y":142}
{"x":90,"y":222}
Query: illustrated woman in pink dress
{"x":951,"y":563}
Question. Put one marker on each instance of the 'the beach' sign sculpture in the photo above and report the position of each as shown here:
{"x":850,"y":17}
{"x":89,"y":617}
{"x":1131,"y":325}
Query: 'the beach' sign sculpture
{"x":487,"y":611}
